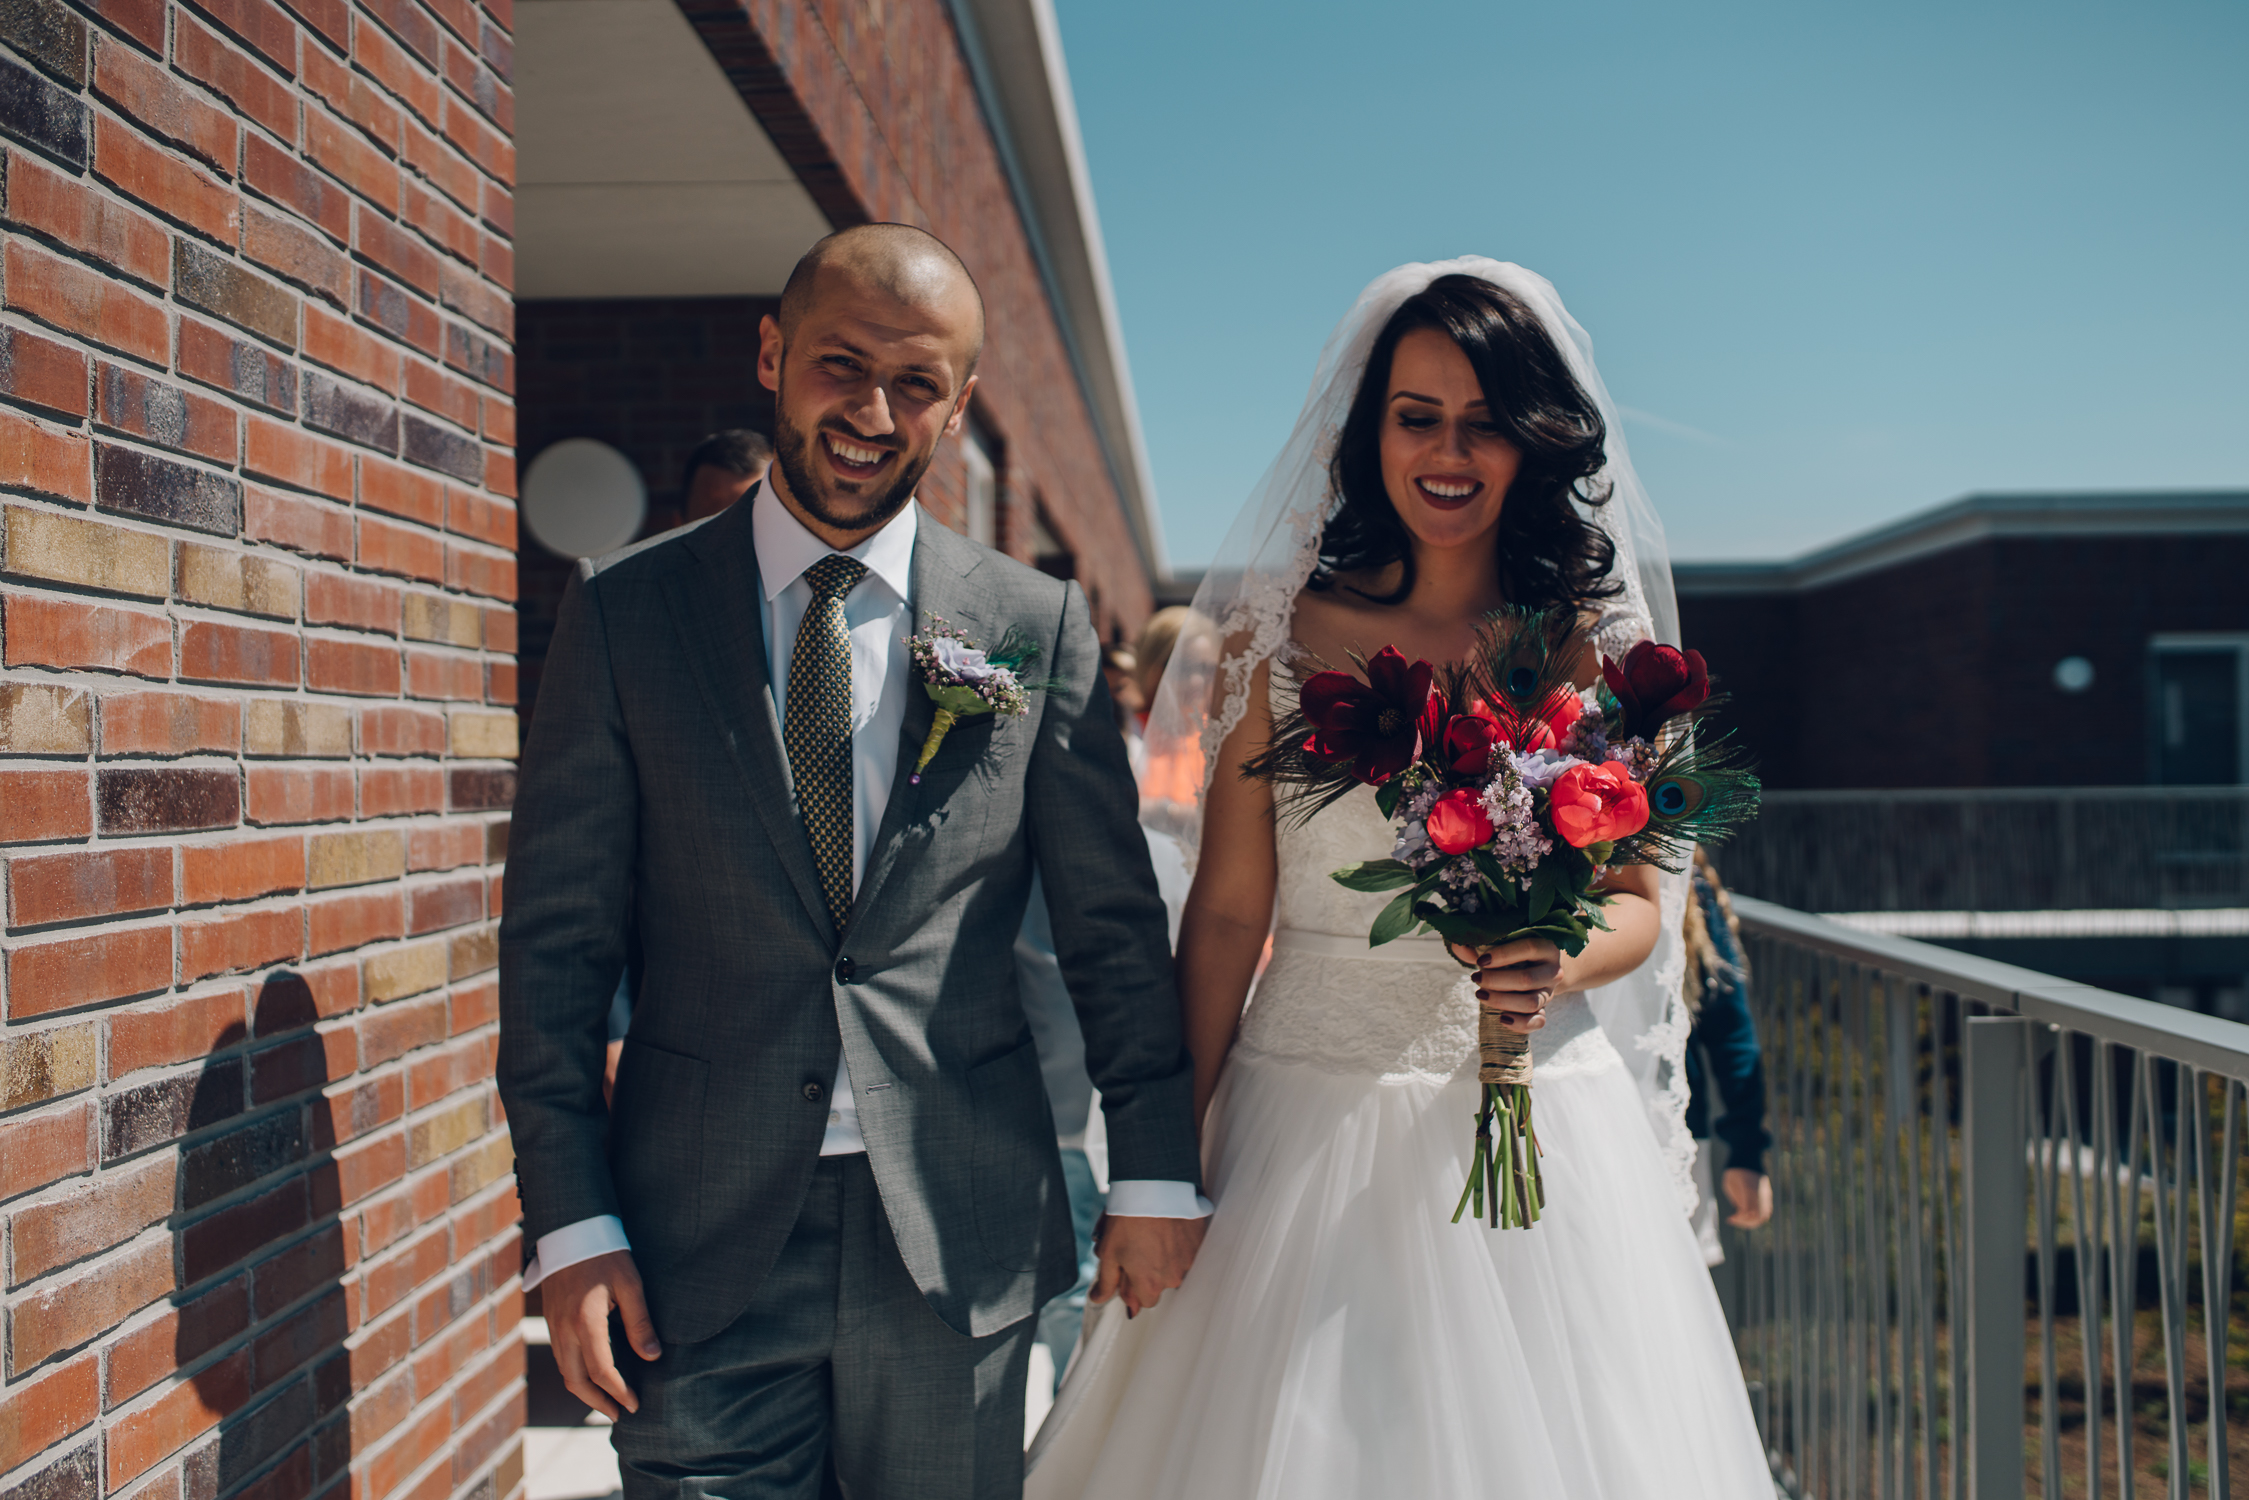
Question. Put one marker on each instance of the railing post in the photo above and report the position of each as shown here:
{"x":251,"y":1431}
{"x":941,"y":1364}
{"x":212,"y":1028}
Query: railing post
{"x":1993,"y":1186}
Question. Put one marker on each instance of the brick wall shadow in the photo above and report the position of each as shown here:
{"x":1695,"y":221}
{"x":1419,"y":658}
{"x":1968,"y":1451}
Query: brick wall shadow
{"x":315,"y":1324}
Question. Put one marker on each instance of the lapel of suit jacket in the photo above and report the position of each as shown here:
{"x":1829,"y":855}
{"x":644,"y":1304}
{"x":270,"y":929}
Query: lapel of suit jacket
{"x":718,"y":608}
{"x":944,"y":565}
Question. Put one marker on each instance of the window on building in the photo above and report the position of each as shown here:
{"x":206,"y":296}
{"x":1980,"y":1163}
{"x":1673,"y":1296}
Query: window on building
{"x":983,"y":517}
{"x":1047,"y":551}
{"x":2197,"y":705}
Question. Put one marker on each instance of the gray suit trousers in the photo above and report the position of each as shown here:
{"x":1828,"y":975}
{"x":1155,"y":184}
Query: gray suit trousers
{"x":837,"y":1379}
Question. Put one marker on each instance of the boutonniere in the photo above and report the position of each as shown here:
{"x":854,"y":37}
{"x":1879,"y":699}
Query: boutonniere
{"x":963,"y":679}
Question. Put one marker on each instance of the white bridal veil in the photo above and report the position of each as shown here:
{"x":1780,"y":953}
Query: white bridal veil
{"x":1248,"y":598}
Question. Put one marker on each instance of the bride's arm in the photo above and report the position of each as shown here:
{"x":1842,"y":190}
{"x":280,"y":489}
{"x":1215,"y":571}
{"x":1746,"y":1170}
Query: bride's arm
{"x":1634,"y":915}
{"x":1229,"y":908}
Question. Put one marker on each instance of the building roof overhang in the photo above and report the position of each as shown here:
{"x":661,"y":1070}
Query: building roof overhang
{"x":1014,"y":50}
{"x":1971,"y":519}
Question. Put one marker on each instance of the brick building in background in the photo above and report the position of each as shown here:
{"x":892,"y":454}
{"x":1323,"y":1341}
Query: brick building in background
{"x":2068,"y":640}
{"x":257,"y":558}
{"x":2017,"y":725}
{"x":258,"y":642}
{"x":677,"y":159}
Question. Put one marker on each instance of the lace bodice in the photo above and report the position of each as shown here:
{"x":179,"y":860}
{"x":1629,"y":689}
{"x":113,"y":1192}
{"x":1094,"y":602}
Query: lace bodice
{"x":1404,"y":1012}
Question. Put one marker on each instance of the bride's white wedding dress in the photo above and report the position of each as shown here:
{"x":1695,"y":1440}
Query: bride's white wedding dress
{"x":1339,"y":1338}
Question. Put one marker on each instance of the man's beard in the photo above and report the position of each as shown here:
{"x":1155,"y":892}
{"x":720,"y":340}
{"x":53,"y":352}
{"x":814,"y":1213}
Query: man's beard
{"x":792,"y":450}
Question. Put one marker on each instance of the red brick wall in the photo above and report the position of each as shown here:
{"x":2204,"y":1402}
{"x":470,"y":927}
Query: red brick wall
{"x":873,"y":105}
{"x":1938,"y":672}
{"x":256,"y":572}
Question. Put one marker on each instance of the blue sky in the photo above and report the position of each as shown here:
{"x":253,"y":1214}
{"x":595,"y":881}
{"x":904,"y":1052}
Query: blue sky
{"x":1848,"y":261}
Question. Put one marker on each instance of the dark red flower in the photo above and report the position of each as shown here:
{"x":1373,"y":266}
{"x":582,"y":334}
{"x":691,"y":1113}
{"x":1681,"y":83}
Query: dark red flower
{"x":1469,"y":741}
{"x":1458,"y":823}
{"x":1656,"y":684}
{"x":1379,"y":725}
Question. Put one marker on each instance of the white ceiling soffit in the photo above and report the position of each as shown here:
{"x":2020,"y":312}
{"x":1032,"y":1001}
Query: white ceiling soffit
{"x":1015,"y":49}
{"x":640,"y":172}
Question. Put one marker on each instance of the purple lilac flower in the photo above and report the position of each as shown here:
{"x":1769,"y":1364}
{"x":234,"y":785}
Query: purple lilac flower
{"x":1517,"y":843}
{"x":1413,"y":846}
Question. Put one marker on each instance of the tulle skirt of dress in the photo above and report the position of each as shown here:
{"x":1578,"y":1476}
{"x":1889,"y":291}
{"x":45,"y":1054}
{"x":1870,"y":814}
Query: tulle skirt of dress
{"x":1340,"y":1339}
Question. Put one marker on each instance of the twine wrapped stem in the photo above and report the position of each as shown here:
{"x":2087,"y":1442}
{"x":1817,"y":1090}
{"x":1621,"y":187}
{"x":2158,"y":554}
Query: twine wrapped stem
{"x":1503,"y":1176}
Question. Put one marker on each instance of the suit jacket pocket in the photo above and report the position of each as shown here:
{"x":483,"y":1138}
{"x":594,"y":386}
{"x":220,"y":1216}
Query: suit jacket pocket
{"x":1012,"y":1161}
{"x":656,"y":1147}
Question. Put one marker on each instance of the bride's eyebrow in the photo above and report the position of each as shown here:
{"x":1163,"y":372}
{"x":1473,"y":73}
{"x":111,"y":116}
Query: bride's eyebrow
{"x":1432,"y":400}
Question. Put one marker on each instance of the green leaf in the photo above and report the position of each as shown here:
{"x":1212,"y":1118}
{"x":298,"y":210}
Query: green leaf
{"x":1388,"y":795}
{"x":1591,"y":916}
{"x":1375,"y":875}
{"x":1396,"y":921}
{"x":1544,"y":888}
{"x":1565,"y":933}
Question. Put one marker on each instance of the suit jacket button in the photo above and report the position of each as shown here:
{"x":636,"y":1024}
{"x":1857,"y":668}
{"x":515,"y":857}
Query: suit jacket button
{"x":815,"y":1092}
{"x":845,"y":968}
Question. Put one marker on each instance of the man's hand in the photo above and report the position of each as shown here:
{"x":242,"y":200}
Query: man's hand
{"x":1751,"y":1194}
{"x":1143,"y":1258}
{"x":578,"y":1300}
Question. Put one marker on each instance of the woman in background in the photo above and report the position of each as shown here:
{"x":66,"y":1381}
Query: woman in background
{"x":1723,"y":1060}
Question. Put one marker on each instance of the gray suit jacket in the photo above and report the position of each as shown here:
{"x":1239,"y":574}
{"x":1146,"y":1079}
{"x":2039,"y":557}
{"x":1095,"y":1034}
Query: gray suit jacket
{"x":655,"y":791}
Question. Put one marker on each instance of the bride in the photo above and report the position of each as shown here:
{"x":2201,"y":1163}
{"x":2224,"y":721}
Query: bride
{"x":1339,"y":1338}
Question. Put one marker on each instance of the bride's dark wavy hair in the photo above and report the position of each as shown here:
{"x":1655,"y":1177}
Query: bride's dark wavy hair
{"x":1550,"y":555}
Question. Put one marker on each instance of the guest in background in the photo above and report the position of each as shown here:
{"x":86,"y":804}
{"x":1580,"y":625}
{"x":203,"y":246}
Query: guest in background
{"x":723,"y":468}
{"x":1151,"y":653}
{"x":1120,"y":669}
{"x":1723,"y":1059}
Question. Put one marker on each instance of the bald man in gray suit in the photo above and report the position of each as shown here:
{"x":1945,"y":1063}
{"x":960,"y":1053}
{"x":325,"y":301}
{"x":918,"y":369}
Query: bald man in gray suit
{"x":828,"y":1204}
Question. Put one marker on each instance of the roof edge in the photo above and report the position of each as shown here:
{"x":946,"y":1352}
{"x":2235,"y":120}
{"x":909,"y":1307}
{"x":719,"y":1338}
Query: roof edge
{"x":1014,"y":52}
{"x":1974,"y":518}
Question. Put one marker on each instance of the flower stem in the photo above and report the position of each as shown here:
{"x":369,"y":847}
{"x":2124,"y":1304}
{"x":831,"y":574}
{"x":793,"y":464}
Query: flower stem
{"x":937,"y":728}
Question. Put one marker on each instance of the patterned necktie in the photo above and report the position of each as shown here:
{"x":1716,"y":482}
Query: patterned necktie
{"x":818,"y":731}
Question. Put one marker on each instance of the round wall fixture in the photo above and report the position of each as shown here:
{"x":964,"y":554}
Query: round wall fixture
{"x":2073,"y":674}
{"x":582,"y":498}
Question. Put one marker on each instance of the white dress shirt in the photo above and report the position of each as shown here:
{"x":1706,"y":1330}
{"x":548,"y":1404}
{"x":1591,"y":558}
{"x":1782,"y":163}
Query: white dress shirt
{"x":879,"y":613}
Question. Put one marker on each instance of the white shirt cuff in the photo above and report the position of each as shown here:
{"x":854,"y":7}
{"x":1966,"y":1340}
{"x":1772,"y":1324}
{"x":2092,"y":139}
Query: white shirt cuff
{"x":573,"y":1243}
{"x":1148,"y":1198}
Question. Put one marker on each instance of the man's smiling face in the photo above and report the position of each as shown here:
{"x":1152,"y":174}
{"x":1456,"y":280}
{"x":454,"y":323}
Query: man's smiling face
{"x":865,"y":385}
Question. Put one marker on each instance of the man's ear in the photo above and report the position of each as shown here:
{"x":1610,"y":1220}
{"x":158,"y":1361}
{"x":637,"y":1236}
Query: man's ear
{"x":960,"y":405}
{"x":770,"y":348}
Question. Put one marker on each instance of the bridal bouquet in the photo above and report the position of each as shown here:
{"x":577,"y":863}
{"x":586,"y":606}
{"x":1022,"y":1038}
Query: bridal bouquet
{"x":1513,"y":794}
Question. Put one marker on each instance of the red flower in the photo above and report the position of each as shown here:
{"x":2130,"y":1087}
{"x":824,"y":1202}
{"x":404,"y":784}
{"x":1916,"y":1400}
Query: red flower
{"x":1596,"y":804}
{"x":1469,"y":741}
{"x":1458,"y":823}
{"x":1381,"y":724}
{"x":1541,"y":731}
{"x":1656,"y":684}
{"x":1561,"y":711}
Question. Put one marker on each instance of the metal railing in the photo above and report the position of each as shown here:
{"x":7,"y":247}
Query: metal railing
{"x":2006,"y":1256}
{"x":1996,"y":849}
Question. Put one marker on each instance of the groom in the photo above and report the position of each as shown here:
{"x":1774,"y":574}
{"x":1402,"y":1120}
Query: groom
{"x":828,"y":1203}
